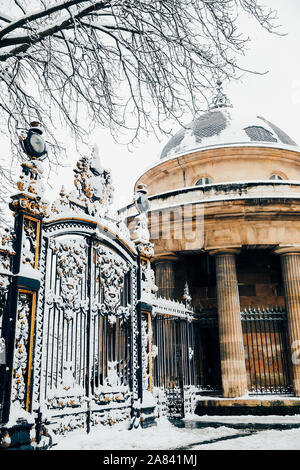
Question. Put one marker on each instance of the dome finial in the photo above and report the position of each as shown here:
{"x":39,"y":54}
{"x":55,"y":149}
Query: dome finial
{"x":220,"y":100}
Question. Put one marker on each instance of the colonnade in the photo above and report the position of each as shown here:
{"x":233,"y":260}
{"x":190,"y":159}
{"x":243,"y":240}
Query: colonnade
{"x":233,"y":369}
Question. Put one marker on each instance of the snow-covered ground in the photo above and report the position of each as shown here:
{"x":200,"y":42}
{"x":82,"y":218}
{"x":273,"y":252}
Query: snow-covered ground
{"x":163,"y":436}
{"x":166,"y":436}
{"x":262,"y":440}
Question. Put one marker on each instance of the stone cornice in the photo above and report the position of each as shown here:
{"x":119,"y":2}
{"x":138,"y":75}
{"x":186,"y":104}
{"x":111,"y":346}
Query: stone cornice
{"x":234,"y":190}
{"x":165,"y":257}
{"x":287,"y":250}
{"x":181,"y":161}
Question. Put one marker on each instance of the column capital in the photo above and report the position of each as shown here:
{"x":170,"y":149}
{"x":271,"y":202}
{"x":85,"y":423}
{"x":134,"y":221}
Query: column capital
{"x":287,"y":250}
{"x":233,"y":250}
{"x":165,"y":257}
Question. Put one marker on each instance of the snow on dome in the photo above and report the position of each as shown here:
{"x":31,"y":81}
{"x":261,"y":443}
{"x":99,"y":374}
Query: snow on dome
{"x":224,"y":125}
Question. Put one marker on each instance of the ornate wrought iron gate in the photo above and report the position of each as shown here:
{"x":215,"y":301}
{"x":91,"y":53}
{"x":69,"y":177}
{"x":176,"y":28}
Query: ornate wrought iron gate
{"x":86,"y":345}
{"x":71,"y":280}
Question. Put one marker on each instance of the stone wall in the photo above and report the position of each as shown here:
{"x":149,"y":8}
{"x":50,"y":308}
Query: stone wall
{"x":222,"y":165}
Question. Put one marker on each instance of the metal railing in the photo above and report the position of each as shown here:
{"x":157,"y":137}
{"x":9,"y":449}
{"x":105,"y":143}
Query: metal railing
{"x":267,"y":351}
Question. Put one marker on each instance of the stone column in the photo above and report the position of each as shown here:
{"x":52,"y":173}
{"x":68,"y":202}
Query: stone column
{"x":165,"y":276}
{"x":233,"y":368}
{"x":290,"y":266}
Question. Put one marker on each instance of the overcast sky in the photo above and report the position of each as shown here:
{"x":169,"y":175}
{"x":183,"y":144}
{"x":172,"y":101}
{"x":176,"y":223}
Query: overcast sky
{"x":275,"y":96}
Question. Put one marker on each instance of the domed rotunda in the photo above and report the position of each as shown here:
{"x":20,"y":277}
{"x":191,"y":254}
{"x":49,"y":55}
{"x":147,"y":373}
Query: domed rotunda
{"x":225,"y":221}
{"x":224,"y":126}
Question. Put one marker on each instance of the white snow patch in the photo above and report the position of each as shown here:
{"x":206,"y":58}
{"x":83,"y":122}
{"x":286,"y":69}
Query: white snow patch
{"x":262,"y":440}
{"x":148,"y":399}
{"x":17,"y":413}
{"x":164,"y":436}
{"x":28,"y":271}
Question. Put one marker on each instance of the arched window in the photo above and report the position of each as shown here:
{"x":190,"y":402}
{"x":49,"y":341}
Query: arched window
{"x":277,"y":177}
{"x":203,"y":180}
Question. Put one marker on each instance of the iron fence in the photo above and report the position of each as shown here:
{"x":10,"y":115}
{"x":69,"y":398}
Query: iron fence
{"x":267,"y":352}
{"x":174,"y":362}
{"x":188,"y":352}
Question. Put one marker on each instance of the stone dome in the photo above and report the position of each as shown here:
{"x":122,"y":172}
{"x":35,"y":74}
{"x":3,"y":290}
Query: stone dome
{"x":221,"y":126}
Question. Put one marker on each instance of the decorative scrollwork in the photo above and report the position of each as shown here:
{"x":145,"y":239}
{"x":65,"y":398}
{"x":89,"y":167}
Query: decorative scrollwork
{"x":145,"y":353}
{"x":21,"y":344}
{"x":31,"y":189}
{"x":102,"y":309}
{"x":66,"y":393}
{"x":149,"y":288}
{"x":70,"y":269}
{"x":113,"y":269}
{"x":92,"y":180}
{"x":29,"y":241}
{"x":2,"y":351}
{"x":94,"y":189}
{"x":141,"y":236}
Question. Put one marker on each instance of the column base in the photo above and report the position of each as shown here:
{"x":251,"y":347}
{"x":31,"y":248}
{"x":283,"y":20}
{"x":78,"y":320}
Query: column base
{"x":254,"y":406}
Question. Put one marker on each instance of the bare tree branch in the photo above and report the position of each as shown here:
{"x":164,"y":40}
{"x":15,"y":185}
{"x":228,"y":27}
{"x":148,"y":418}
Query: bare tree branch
{"x":126,"y":65}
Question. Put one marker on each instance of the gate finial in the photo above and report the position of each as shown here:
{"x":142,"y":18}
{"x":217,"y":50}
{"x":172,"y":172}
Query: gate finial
{"x":187,"y":297}
{"x":220,"y":100}
{"x":94,"y":184}
{"x":141,"y":235}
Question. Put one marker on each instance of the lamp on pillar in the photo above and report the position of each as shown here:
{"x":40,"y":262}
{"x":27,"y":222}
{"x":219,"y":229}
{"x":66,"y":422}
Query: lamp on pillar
{"x":31,"y":189}
{"x":290,"y":267}
{"x":33,"y":143}
{"x":233,"y":368}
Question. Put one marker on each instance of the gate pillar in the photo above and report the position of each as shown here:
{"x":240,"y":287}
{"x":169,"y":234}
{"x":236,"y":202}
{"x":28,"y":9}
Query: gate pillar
{"x":146,"y":290}
{"x":28,"y":209}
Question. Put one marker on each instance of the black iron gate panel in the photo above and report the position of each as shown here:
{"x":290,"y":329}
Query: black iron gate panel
{"x":65,"y":338}
{"x":172,"y":365}
{"x":188,"y":354}
{"x":110,"y":353}
{"x":87,"y":314}
{"x":267,"y":351}
{"x":110,"y":326}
